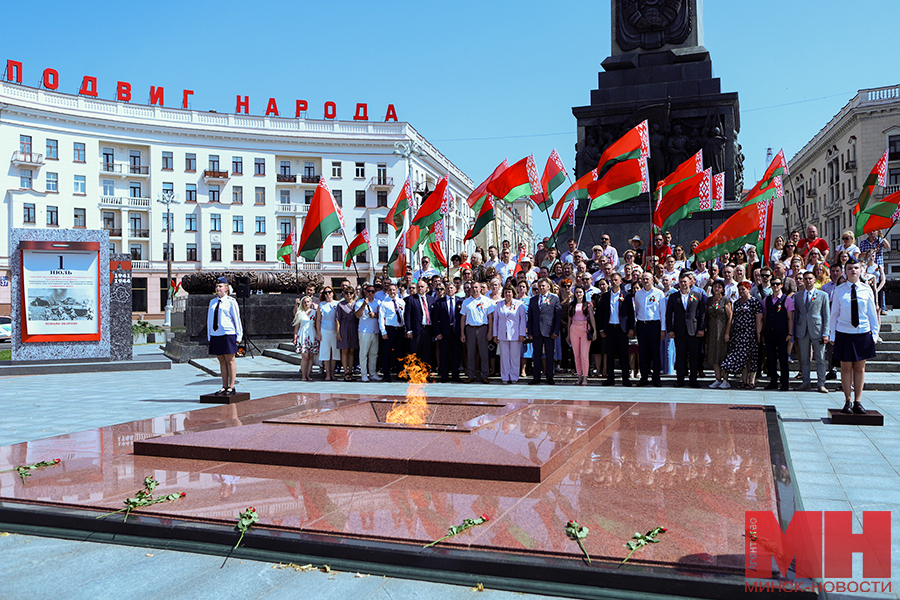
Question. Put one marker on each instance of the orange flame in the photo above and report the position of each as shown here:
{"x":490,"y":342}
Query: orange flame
{"x":415,"y":409}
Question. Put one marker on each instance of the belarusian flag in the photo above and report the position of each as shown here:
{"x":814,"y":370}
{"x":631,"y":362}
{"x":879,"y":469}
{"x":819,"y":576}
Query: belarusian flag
{"x":719,"y":191}
{"x":632,"y":145}
{"x":323,"y":218}
{"x":358,"y":245}
{"x":554,"y":176}
{"x":878,"y":215}
{"x":878,"y":176}
{"x":396,"y":266}
{"x":435,"y":205}
{"x":683,"y":199}
{"x":566,"y":223}
{"x":484,"y":217}
{"x":396,"y":215}
{"x":517,"y":181}
{"x":519,"y":259}
{"x":687,"y":169}
{"x":577,"y":191}
{"x":433,"y":248}
{"x":623,"y":181}
{"x":173,"y":288}
{"x":778,"y":167}
{"x":480,"y":194}
{"x":746,"y":226}
{"x":414,"y":237}
{"x":286,"y":249}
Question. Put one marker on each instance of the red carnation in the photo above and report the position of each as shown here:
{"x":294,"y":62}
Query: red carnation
{"x":56,"y":460}
{"x":485,"y":517}
{"x":251,"y":509}
{"x":663,"y":529}
{"x":183,"y":494}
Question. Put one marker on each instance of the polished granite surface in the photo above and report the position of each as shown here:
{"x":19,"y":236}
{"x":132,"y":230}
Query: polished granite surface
{"x":691,"y":468}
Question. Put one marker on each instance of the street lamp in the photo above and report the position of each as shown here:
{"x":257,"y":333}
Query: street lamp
{"x":168,"y":197}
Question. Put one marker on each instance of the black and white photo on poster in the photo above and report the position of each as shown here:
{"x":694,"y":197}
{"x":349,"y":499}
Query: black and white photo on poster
{"x":60,"y":292}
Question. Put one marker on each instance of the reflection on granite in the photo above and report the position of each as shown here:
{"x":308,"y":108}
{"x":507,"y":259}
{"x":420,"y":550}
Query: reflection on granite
{"x":692,"y":468}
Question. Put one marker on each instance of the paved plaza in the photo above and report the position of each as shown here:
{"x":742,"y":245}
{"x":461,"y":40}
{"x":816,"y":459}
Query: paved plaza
{"x":836,"y":468}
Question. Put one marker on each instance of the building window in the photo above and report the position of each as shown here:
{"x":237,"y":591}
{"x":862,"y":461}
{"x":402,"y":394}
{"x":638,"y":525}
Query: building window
{"x":135,"y":188}
{"x":168,"y":161}
{"x":78,"y":152}
{"x":337,"y":254}
{"x":190,"y":192}
{"x":166,"y":252}
{"x":338,"y":197}
{"x":259,"y":166}
{"x":52,"y":149}
{"x":237,"y":224}
{"x":25,"y":180}
{"x":382,"y":254}
{"x":382,"y":199}
{"x":215,"y":222}
{"x":135,"y":251}
{"x":168,"y":221}
{"x":52,"y":182}
{"x":237,"y":194}
{"x":168,"y":188}
{"x":28,"y":215}
{"x":190,"y":222}
{"x":109,"y":220}
{"x":382,"y":173}
{"x":136,"y":226}
{"x":213,"y":162}
{"x":109,"y":187}
{"x":360,"y":170}
{"x":237,"y":165}
{"x":260,"y":225}
{"x":382,"y":226}
{"x":261,"y":253}
{"x":308,"y":196}
{"x":190,"y":162}
{"x":25,"y":144}
{"x":237,"y":253}
{"x":360,"y":225}
{"x":52,"y":216}
{"x":138,"y":294}
{"x":80,"y":186}
{"x":80,"y":217}
{"x":260,"y":194}
{"x":215,"y":252}
{"x":213,"y":193}
{"x":360,"y":198}
{"x":109,"y":159}
{"x":336,"y":169}
{"x":285,"y":196}
{"x":893,"y":176}
{"x":309,"y":169}
{"x":134,"y":157}
{"x":893,"y":147}
{"x":191,"y":252}
{"x":285,"y":167}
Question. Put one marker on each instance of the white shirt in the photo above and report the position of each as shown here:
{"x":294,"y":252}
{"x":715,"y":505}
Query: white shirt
{"x":505,"y":270}
{"x":567,"y":257}
{"x":229,"y":318}
{"x":367,"y":324}
{"x":731,"y":291}
{"x":702,"y":277}
{"x":390,"y":314}
{"x":613,"y":256}
{"x":494,"y":262}
{"x":841,"y":311}
{"x":614,"y":306}
{"x":649,"y":306}
{"x":419,"y":274}
{"x":476,"y":310}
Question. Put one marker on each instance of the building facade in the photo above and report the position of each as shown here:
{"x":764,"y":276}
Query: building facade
{"x":242,"y":184}
{"x":511,"y":222}
{"x":827,"y":173}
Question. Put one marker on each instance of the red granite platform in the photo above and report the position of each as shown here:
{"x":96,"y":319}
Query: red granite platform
{"x":692,"y":468}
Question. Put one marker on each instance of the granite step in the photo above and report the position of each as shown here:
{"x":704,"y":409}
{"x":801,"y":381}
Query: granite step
{"x":288,"y":356}
{"x":888,"y":336}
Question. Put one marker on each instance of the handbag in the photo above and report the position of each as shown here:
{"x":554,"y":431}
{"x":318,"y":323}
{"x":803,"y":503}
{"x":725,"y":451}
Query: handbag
{"x":590,"y":332}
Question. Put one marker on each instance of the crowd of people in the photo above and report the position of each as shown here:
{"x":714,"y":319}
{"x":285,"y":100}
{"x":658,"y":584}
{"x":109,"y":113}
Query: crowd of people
{"x":655,"y":311}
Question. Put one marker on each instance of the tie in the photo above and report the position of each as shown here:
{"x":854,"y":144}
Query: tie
{"x":219,"y":303}
{"x":425,"y":310}
{"x":807,"y":301}
{"x":854,"y":307}
{"x":396,"y":309}
{"x":452,"y":312}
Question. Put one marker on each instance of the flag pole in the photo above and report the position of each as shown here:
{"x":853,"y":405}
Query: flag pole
{"x":352,"y":262}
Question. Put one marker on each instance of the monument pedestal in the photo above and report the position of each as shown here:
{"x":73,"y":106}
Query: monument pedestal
{"x":872,"y":418}
{"x":213,"y":399}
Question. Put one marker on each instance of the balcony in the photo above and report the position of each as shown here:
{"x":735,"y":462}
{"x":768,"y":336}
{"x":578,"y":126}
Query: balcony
{"x":381,"y":183}
{"x":301,"y":266}
{"x":113,"y":232}
{"x":138,"y":169}
{"x":139,"y":233}
{"x":140,"y":265}
{"x":811,"y":193}
{"x":849,"y":166}
{"x":891,"y":189}
{"x":215,"y":175}
{"x":285,"y":178}
{"x":291,"y":209}
{"x":125,"y":202}
{"x":314,"y":179}
{"x":27,"y":159}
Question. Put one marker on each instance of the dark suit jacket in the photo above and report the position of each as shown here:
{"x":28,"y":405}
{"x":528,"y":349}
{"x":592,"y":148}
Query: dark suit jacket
{"x":544,"y":319}
{"x":440,"y":317}
{"x":681,"y":322}
{"x":412,"y":316}
{"x":626,"y":312}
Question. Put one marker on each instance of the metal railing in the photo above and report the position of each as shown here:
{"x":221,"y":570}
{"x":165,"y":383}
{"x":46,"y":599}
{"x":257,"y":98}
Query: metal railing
{"x":310,"y":178}
{"x":27,"y":158}
{"x":139,"y":169}
{"x":384,"y":182}
{"x":212,"y":174}
{"x":292,"y":208}
{"x":128,"y":201}
{"x":285,"y":178}
{"x":139,"y":233}
{"x":301,"y":266}
{"x":113,"y":231}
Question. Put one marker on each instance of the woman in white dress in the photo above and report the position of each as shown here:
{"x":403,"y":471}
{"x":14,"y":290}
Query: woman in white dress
{"x":326,"y":328}
{"x":305,"y":340}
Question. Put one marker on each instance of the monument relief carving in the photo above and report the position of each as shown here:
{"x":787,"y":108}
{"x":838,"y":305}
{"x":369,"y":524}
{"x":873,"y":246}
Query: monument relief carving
{"x":650,"y":24}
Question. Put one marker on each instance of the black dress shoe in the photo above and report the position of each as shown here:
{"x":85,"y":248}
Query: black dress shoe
{"x":858,"y":409}
{"x":830,"y":375}
{"x":847,"y":410}
{"x":608,"y":383}
{"x":679,"y":384}
{"x":534,"y":382}
{"x":785,"y":388}
{"x":657,"y":384}
{"x":772,"y":386}
{"x":551,"y":382}
{"x":642,"y":383}
{"x":626,"y":383}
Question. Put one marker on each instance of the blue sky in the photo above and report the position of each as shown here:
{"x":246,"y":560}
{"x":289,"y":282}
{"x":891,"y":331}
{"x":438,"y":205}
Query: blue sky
{"x":480,"y":80}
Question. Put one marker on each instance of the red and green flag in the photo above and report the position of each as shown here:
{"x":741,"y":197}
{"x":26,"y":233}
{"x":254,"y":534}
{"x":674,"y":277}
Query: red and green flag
{"x":577,"y":191}
{"x":566,"y":224}
{"x":777,"y":168}
{"x":435,"y":206}
{"x":485,"y":216}
{"x":719,"y":191}
{"x":433,"y":248}
{"x":323,"y":218}
{"x":878,"y":215}
{"x":396,"y":266}
{"x":173,"y":288}
{"x":554,"y":176}
{"x":395,"y":216}
{"x":480,"y":194}
{"x":684,"y":199}
{"x":358,"y":245}
{"x":746,"y":226}
{"x":878,"y":176}
{"x":623,"y":181}
{"x":286,"y":249}
{"x":521,"y":179}
{"x":632,"y":145}
{"x":685,"y":170}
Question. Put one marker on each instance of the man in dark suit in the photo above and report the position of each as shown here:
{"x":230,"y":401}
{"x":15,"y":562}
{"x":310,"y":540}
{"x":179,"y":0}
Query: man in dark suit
{"x":447,"y":331}
{"x":544,"y":320}
{"x":686,"y":324}
{"x":419,"y":325}
{"x":616,"y":324}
